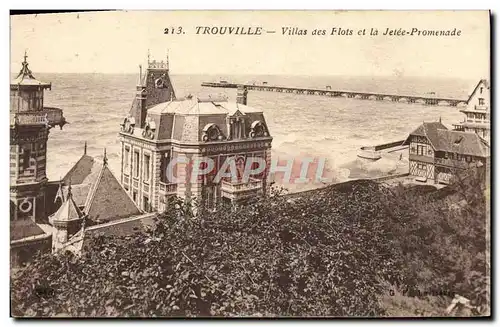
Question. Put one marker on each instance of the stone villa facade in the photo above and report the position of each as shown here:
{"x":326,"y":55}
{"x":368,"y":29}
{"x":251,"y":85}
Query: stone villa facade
{"x":164,"y":134}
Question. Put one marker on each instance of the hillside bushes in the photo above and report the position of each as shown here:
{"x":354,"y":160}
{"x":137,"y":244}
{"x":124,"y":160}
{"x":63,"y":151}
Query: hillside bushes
{"x":334,"y":252}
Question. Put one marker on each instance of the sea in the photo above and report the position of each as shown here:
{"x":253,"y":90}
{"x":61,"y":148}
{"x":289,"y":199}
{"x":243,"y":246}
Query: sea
{"x":301,"y":125}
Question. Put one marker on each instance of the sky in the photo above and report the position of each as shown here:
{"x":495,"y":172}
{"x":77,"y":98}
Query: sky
{"x":117,"y":42}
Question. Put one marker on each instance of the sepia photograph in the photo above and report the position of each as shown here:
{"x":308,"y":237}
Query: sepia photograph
{"x":250,"y":164}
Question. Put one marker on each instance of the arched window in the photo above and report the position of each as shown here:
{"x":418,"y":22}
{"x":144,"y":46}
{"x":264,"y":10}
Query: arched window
{"x":258,"y":129}
{"x":211,"y":132}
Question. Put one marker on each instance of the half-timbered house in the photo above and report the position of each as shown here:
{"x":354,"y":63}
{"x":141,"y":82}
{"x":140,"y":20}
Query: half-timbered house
{"x":436,"y":153}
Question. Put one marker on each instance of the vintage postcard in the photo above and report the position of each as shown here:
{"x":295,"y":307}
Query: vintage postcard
{"x":250,"y":164}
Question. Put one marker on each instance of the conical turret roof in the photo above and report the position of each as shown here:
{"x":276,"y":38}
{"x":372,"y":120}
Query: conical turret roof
{"x":68,"y":211}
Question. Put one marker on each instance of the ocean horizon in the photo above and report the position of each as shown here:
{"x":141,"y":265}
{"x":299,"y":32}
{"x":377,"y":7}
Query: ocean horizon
{"x":94,"y":104}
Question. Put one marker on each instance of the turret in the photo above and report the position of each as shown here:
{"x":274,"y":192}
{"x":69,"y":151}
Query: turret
{"x":152,"y":88}
{"x":241,"y":95}
{"x":30,"y":122}
{"x":67,"y":221}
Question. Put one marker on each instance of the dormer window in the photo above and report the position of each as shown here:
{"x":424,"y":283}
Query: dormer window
{"x":149,"y":129}
{"x":159,"y":83}
{"x":258,"y":129}
{"x":212,"y":132}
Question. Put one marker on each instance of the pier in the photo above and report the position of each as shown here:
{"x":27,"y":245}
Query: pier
{"x":424,"y":99}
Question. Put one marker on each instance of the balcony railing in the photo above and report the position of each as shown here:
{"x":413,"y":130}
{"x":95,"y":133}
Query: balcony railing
{"x":47,"y":116}
{"x":252,"y":184}
{"x":453,"y":163}
{"x":481,"y":107}
{"x":168,"y":188}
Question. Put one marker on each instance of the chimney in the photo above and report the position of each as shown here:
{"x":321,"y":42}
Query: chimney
{"x":241,"y":95}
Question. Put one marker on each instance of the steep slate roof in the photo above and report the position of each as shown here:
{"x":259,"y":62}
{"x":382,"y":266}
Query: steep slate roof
{"x":95,"y":189}
{"x":84,"y":167}
{"x":443,"y":139}
{"x":108,"y":200}
{"x":428,"y":130}
{"x":79,"y":192}
{"x":463,"y":143}
{"x":23,"y":228}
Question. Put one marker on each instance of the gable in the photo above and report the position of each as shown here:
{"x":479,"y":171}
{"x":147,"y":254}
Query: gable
{"x":482,"y":83}
{"x":109,"y":200}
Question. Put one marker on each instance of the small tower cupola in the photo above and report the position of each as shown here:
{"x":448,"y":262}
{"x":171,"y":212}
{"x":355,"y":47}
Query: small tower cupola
{"x":26,"y":91}
{"x":67,"y":221}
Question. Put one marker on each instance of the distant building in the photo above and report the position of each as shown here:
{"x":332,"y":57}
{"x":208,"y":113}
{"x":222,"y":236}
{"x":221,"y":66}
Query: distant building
{"x":436,"y":153}
{"x":477,"y":112}
{"x":30,"y":122}
{"x":161,"y":129}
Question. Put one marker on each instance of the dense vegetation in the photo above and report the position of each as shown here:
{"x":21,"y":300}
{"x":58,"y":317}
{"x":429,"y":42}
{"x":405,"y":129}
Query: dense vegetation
{"x":353,"y":249}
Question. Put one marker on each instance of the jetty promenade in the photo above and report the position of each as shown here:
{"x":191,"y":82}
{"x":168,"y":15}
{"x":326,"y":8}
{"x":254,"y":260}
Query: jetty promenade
{"x":327,"y":91}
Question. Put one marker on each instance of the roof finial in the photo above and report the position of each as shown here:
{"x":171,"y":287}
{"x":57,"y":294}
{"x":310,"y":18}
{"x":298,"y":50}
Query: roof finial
{"x":25,"y":71}
{"x":83,"y":224}
{"x":140,"y":75}
{"x":69,"y":188}
{"x":85,"y":148}
{"x":167,"y":59}
{"x":149,"y":56}
{"x":105,"y":158}
{"x":439,"y":118}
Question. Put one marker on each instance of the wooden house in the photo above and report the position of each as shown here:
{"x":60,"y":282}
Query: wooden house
{"x":436,"y":153}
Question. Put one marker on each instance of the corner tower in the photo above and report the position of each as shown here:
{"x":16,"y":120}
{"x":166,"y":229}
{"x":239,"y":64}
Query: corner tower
{"x":30,"y":122}
{"x":154,"y":87}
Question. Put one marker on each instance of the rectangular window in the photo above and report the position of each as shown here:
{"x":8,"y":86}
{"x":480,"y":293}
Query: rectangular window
{"x":26,"y":158}
{"x":134,"y":196}
{"x":145,"y":204}
{"x":126,"y":160}
{"x":146,"y":167}
{"x":481,"y":90}
{"x":165,"y":161}
{"x":481,"y":101}
{"x":136,"y":163}
{"x":420,"y":150}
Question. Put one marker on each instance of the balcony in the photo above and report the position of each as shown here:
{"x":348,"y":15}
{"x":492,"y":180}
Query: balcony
{"x":421,"y":158}
{"x":482,"y":107}
{"x":453,"y":163}
{"x":167,"y":188}
{"x":47,"y":116}
{"x":240,"y":190}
